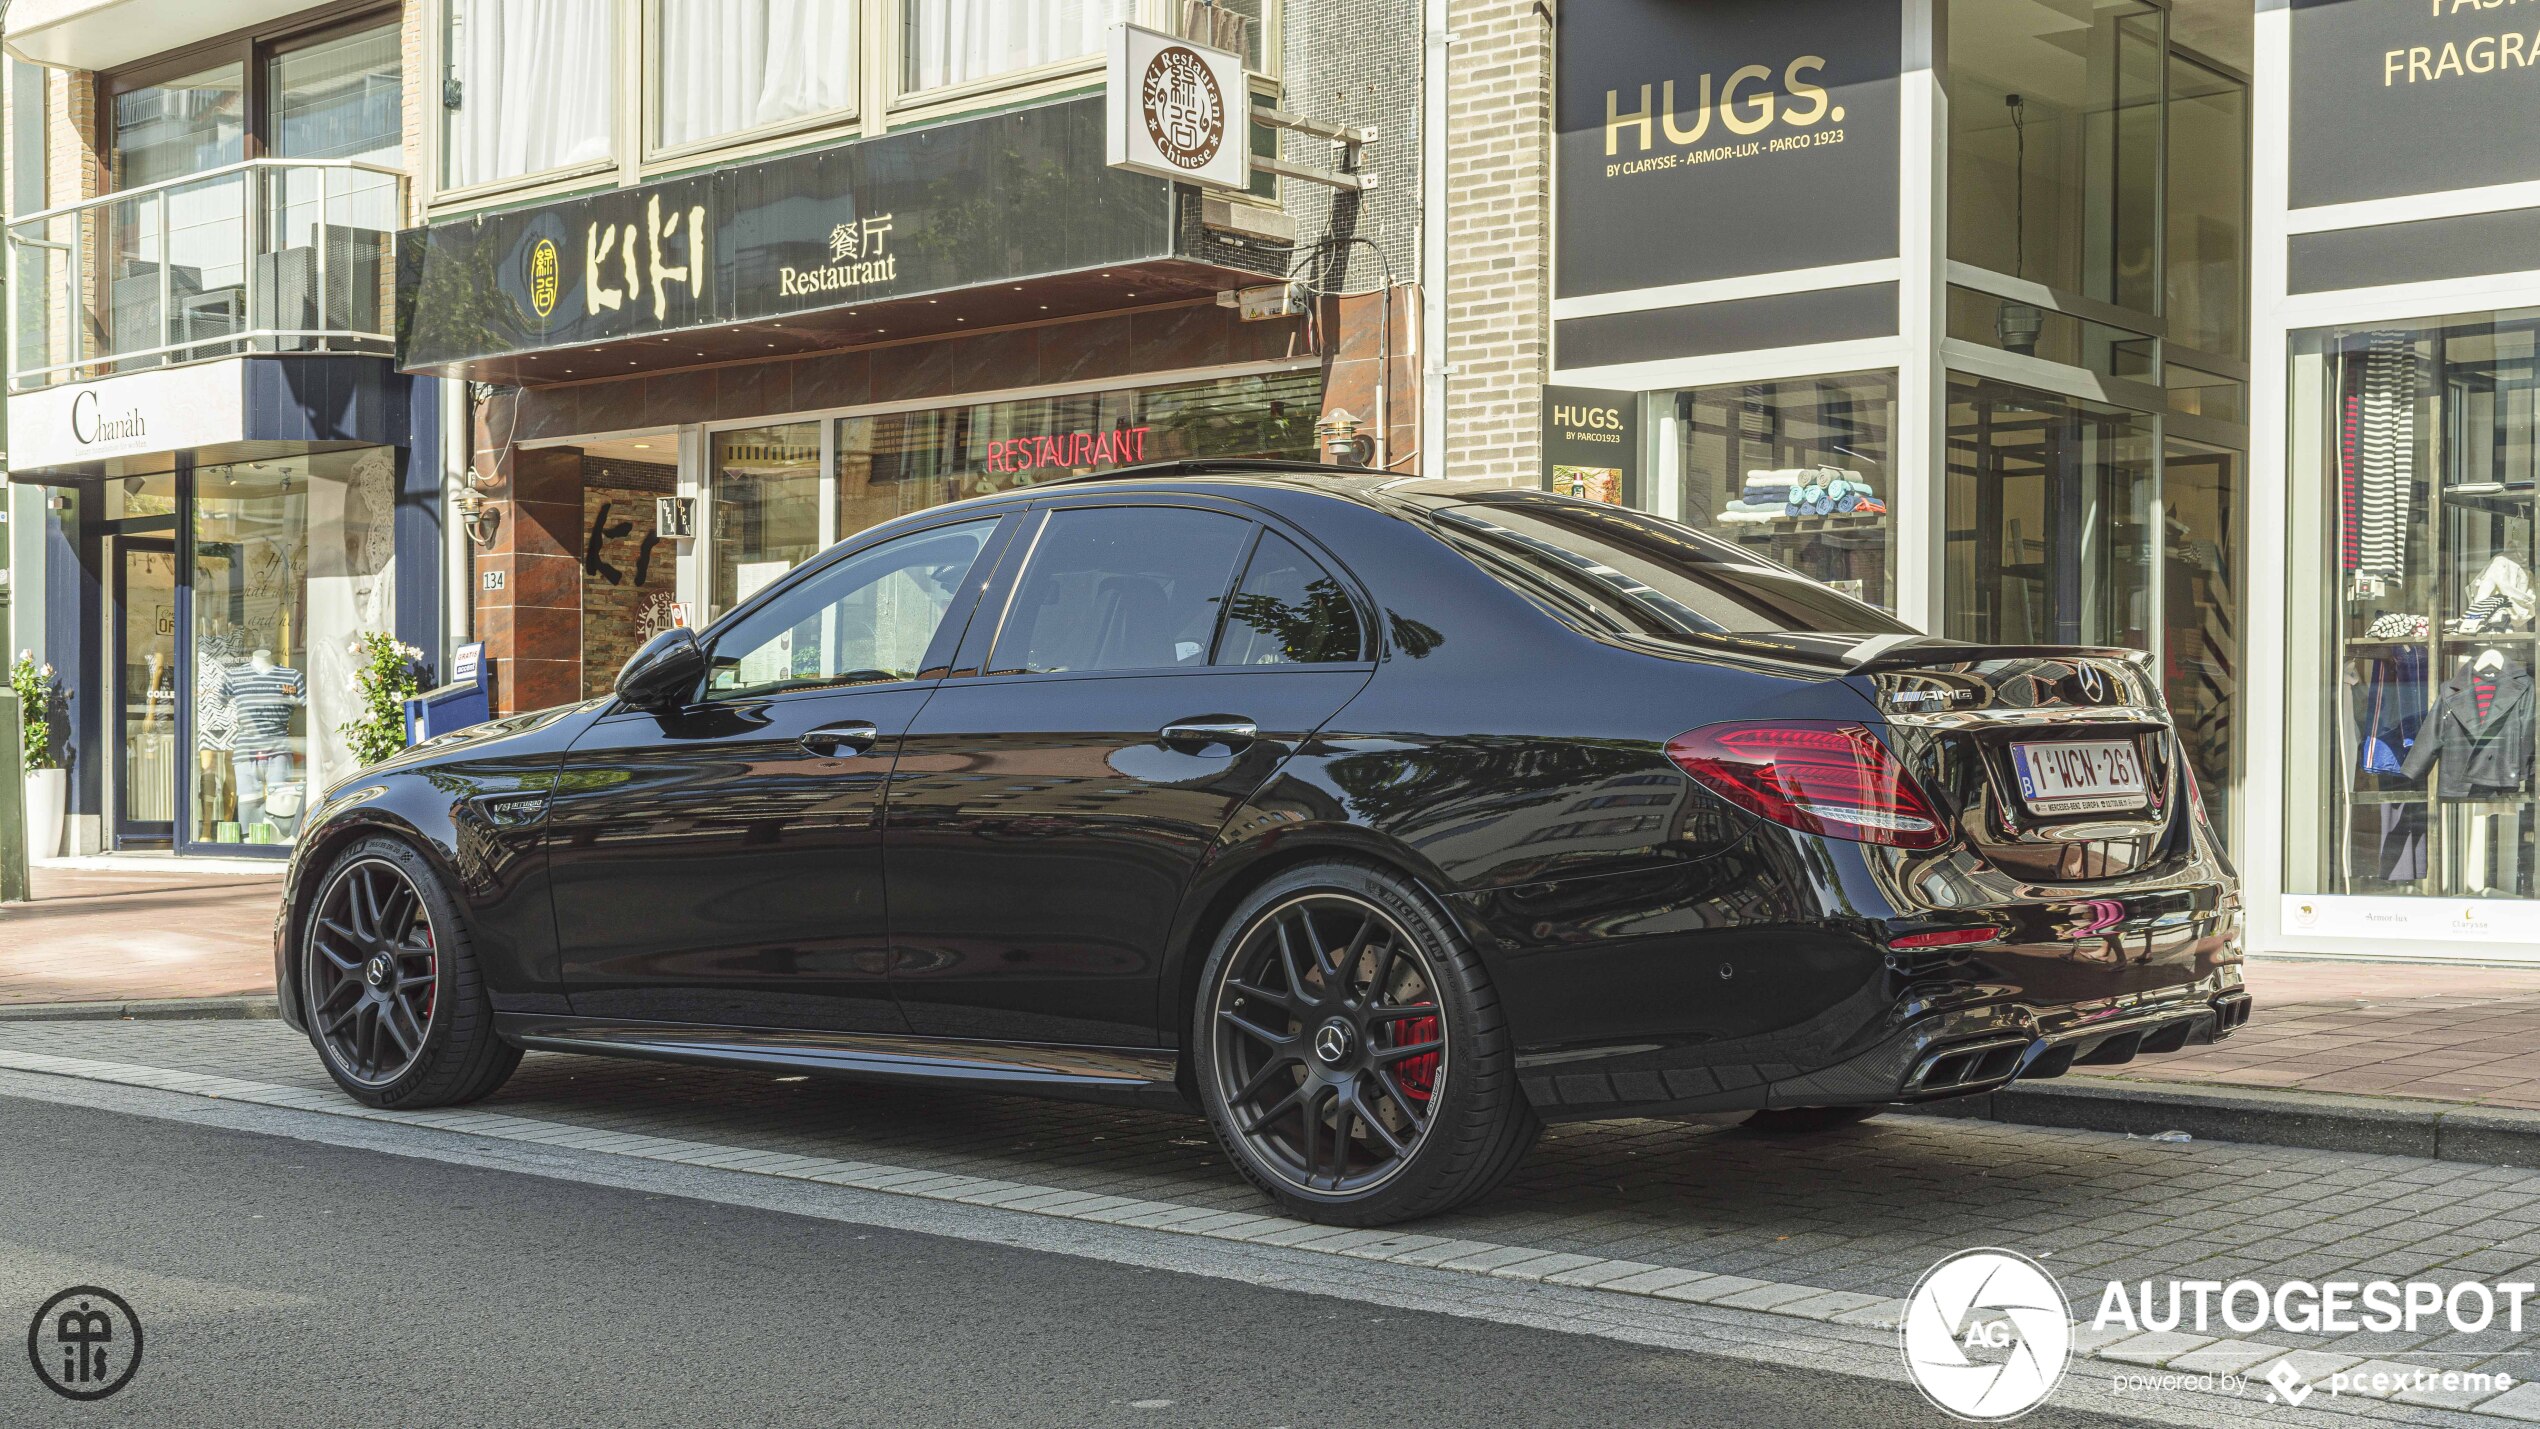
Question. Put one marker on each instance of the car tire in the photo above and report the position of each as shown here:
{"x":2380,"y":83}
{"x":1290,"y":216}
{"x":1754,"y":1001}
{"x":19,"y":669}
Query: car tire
{"x":1315,"y":1005}
{"x":1797,"y":1120}
{"x":390,"y":986}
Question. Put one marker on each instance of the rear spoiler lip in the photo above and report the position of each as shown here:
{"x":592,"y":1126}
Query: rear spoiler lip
{"x":1889,"y":652}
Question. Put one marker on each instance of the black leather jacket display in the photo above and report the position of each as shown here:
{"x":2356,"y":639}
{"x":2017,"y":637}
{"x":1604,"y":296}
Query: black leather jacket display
{"x":2480,"y":757}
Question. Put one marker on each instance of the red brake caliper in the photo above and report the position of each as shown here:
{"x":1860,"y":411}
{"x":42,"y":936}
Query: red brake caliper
{"x":1418,"y":1076}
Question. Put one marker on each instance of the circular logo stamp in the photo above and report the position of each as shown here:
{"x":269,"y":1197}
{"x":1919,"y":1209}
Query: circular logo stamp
{"x":1987,"y":1334}
{"x":85,"y":1343}
{"x":1185,"y":111}
{"x":546,"y":276}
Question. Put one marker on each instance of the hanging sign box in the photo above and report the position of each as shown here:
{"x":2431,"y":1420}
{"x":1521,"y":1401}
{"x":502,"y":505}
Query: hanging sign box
{"x":1177,"y":110}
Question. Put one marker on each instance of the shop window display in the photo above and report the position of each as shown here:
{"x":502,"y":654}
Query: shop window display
{"x":1800,"y":471}
{"x":2430,"y":464}
{"x":292,"y":561}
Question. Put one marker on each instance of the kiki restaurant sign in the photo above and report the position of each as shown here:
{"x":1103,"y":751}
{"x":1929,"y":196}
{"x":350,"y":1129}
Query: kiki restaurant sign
{"x":995,"y":199}
{"x":1724,"y":139}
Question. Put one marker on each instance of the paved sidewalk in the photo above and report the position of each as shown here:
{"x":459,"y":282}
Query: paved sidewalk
{"x":123,"y":930}
{"x":138,"y":928}
{"x":2454,"y":1034}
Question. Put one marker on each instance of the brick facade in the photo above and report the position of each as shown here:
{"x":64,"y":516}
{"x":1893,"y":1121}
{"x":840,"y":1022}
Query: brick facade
{"x":1499,"y":237}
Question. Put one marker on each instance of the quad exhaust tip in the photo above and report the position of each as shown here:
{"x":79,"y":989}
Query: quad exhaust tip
{"x":1968,"y":1067}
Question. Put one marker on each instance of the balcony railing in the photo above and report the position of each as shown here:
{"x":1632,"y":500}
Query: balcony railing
{"x":270,"y":255}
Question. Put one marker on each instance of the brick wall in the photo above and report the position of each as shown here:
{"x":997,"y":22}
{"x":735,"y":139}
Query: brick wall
{"x":1499,"y":208}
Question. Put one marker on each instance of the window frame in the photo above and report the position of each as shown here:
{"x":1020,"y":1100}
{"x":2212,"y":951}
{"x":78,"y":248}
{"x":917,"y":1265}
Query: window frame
{"x":948,"y":638}
{"x":1263,"y":531}
{"x":249,"y":48}
{"x":648,"y":123}
{"x":970,"y":661}
{"x":434,"y":183}
{"x":1024,"y":565}
{"x":887,"y":32}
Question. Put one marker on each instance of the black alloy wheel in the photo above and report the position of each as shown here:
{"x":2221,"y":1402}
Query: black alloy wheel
{"x":1332,"y":1051}
{"x":1351,"y":1054}
{"x":389,"y":986}
{"x":374,"y":973}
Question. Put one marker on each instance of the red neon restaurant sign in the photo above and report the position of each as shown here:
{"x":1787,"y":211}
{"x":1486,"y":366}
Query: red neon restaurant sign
{"x":1121,"y":447}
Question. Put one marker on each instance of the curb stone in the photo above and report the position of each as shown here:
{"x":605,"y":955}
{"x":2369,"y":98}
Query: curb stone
{"x":228,"y":1009}
{"x":2314,"y":1121}
{"x":2517,"y":1403}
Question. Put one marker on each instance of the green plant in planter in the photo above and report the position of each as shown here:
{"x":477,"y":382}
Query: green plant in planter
{"x":385,"y":675}
{"x":41,"y":702}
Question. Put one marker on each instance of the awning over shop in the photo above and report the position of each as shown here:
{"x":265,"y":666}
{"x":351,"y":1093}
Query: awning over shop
{"x":236,"y":409}
{"x":1005,"y":218}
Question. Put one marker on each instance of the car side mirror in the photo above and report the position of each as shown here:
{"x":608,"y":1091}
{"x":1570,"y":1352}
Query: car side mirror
{"x":664,"y":675}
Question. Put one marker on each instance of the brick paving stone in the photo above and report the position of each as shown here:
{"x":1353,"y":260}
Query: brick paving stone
{"x":1864,"y":1211}
{"x":2520,"y":1402}
{"x":157,"y":930}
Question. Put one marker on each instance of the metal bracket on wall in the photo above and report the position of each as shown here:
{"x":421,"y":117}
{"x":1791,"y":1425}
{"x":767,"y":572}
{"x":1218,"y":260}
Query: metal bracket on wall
{"x":1352,"y":142}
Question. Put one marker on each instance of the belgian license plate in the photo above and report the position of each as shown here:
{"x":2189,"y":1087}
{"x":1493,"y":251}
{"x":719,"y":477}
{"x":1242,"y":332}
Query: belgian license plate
{"x":2094,"y":777}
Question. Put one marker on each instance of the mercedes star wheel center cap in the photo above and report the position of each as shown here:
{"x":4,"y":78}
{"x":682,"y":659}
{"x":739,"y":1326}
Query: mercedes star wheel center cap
{"x":375,"y":972}
{"x":1332,"y":1042}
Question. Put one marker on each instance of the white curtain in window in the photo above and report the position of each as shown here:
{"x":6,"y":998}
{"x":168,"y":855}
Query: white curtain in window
{"x":731,"y":65}
{"x":957,"y":41}
{"x":537,"y":86}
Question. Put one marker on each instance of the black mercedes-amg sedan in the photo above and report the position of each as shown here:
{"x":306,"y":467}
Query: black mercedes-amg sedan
{"x":1377,"y":819}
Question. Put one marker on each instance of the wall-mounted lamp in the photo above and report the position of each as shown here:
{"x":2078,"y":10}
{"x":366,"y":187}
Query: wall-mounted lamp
{"x":1338,"y":433}
{"x":481,"y":519}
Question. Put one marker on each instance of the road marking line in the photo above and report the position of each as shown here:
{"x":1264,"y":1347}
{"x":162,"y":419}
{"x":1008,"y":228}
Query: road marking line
{"x":1517,"y":1263}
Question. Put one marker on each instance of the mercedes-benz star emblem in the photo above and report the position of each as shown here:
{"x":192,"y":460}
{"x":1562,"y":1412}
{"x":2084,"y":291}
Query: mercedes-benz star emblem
{"x":375,"y":972}
{"x":2093,"y":687}
{"x":1331,"y":1042}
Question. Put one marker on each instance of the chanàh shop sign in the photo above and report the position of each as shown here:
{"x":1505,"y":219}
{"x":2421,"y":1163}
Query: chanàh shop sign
{"x":139,"y":414}
{"x":992,"y":200}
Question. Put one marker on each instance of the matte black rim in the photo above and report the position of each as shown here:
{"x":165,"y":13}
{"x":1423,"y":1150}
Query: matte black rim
{"x":1330,"y":1047}
{"x":374,"y":978}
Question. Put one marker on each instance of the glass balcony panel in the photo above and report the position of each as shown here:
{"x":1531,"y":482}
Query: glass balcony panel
{"x":266,"y":256}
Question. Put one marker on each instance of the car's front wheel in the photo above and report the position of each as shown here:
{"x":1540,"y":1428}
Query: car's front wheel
{"x":394,"y":1000}
{"x":1352,"y":1054}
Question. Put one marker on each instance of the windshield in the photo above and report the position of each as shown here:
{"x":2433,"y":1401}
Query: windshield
{"x":1606,"y":568}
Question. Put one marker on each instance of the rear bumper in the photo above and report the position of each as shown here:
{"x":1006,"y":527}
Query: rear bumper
{"x":1970,"y":1051}
{"x":1926,"y":1054}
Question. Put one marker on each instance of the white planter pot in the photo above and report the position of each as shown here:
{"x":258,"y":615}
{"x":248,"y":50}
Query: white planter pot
{"x":47,"y":796}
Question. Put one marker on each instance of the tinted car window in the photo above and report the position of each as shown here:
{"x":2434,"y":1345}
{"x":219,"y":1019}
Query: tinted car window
{"x":1603,"y":567}
{"x":1288,"y":611}
{"x":1121,"y":588}
{"x":866,"y":620}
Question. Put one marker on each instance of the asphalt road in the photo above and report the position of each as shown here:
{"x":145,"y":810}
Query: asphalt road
{"x":287,"y":1283}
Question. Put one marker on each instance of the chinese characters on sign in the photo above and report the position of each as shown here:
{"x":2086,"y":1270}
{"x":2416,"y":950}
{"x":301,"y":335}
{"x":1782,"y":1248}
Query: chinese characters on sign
{"x":857,"y":258}
{"x":600,"y":285}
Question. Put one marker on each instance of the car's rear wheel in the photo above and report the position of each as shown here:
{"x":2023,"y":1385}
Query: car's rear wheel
{"x":1793,"y":1120}
{"x":394,"y":999}
{"x":1352,"y":1055}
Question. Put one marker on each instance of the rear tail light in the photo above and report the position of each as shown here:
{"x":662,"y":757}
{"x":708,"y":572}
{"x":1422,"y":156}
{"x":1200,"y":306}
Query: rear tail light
{"x":1818,"y":775}
{"x":1944,"y":938}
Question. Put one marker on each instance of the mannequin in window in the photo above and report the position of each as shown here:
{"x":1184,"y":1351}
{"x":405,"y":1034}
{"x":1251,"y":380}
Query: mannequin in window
{"x":263,"y":694}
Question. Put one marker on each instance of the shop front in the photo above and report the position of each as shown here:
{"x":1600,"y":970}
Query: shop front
{"x":1950,"y":312}
{"x":216,"y":540}
{"x":810,"y":345}
{"x":2401,"y":408}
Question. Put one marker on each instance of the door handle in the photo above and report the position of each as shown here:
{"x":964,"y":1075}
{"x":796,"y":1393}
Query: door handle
{"x":1232,"y":731}
{"x":841,"y":741}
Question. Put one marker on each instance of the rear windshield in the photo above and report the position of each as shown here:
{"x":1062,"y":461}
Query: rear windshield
{"x":1604,"y":568}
